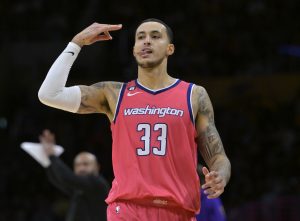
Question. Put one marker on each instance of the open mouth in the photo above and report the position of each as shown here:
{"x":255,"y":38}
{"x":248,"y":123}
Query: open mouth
{"x":145,"y":52}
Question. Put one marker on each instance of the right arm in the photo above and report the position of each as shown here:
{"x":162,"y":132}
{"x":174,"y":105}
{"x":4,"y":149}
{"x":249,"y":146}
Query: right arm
{"x":81,"y":99}
{"x":62,"y":176}
{"x":99,"y":98}
{"x":65,"y":177}
{"x":56,"y":181}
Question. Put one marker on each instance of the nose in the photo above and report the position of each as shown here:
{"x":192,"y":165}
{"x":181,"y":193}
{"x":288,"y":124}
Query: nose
{"x":147,"y":40}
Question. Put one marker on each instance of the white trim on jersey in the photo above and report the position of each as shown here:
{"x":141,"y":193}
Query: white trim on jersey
{"x":117,"y":104}
{"x":176,"y":80}
{"x":191,"y":95}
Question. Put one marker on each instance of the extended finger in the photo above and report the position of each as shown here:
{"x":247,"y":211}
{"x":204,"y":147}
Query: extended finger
{"x":209,"y":191}
{"x":107,"y":34}
{"x":111,"y":27}
{"x":214,"y":185}
{"x":205,"y":171}
{"x":207,"y":185}
{"x":103,"y":27}
{"x":102,"y":37}
{"x":215,"y":195}
{"x":213,"y":174}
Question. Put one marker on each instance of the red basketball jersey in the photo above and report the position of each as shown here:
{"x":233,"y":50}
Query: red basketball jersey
{"x":154,"y":151}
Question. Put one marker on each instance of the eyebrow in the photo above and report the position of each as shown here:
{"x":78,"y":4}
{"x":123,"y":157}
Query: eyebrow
{"x":152,"y":32}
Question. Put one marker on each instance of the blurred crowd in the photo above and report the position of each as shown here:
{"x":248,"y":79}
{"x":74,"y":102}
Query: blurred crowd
{"x":213,"y":39}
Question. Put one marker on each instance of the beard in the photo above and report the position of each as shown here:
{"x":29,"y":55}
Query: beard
{"x":149,"y":64}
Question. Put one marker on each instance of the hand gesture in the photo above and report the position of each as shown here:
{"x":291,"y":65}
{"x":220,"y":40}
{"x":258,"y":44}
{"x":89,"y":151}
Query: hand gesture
{"x":95,"y":32}
{"x":214,"y":183}
{"x":47,"y":140}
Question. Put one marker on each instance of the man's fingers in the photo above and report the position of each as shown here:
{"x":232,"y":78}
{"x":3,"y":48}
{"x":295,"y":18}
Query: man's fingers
{"x":213,"y":192}
{"x":215,"y":195}
{"x":111,"y":27}
{"x":102,"y":37}
{"x":214,"y":183}
{"x":207,"y":185}
{"x":213,"y":174}
{"x":106,"y":28}
{"x":47,"y":137}
{"x":209,"y":191}
{"x":95,"y":32}
{"x":217,"y":180}
{"x":205,"y":171}
{"x":108,"y":34}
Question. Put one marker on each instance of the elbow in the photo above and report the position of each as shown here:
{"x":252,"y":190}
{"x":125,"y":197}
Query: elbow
{"x":43,"y":97}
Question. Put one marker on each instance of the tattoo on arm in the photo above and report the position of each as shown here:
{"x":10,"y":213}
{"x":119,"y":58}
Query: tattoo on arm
{"x":94,"y":98}
{"x":209,"y":141}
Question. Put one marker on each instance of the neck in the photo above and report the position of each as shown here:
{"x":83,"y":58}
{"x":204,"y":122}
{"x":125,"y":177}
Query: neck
{"x":155,"y":78}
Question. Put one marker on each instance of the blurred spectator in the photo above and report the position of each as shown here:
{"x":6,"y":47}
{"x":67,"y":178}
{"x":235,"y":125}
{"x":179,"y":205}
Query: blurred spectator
{"x":85,"y":186}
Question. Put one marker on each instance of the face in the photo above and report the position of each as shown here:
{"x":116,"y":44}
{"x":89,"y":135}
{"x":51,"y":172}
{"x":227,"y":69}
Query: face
{"x":86,"y":164}
{"x":152,"y":45}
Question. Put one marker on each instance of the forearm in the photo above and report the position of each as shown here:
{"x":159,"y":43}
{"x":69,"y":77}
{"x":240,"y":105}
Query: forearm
{"x":53,"y":91}
{"x":221,"y":164}
{"x":212,"y":151}
{"x":60,"y":170}
{"x":67,"y":176}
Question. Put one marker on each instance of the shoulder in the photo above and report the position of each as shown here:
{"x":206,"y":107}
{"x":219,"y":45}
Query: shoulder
{"x":201,"y":101}
{"x":198,"y":90}
{"x":110,"y":89}
{"x":108,"y":85}
{"x":199,"y":94}
{"x":99,"y":88}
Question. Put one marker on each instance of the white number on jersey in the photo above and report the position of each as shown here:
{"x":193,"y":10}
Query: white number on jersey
{"x":159,"y":151}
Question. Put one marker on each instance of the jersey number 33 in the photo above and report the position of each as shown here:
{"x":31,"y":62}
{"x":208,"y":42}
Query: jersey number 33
{"x":146,"y":138}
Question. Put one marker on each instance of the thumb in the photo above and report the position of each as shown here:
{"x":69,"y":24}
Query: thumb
{"x":205,"y":171}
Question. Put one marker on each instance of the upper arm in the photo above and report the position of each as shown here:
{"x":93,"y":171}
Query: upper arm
{"x":66,"y":176}
{"x":99,"y":98}
{"x":209,"y":141}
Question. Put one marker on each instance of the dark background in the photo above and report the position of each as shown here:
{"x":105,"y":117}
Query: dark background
{"x":245,"y":53}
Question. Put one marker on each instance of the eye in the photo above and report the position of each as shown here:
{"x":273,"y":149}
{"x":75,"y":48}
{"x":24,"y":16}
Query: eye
{"x":155,"y":36}
{"x":140,"y":37}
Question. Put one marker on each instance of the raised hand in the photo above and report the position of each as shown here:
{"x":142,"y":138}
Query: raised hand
{"x":214,"y":183}
{"x":95,"y":32}
{"x":47,"y":139}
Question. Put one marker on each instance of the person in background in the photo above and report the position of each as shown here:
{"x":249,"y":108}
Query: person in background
{"x":85,"y":186}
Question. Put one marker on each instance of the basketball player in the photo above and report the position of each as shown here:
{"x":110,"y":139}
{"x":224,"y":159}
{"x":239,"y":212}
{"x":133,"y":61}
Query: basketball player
{"x":157,"y":123}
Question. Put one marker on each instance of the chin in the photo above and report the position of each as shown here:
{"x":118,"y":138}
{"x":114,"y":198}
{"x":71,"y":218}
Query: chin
{"x":149,"y":63}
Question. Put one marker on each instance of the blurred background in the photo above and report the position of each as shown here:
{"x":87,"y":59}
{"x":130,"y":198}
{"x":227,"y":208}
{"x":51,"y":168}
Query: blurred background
{"x":245,"y":53}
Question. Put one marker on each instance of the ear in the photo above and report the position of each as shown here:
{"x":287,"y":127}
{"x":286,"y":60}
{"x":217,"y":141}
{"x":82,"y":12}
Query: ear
{"x":170,"y":49}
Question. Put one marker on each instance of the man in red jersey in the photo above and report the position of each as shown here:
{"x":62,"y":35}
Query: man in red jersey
{"x":157,"y":124}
